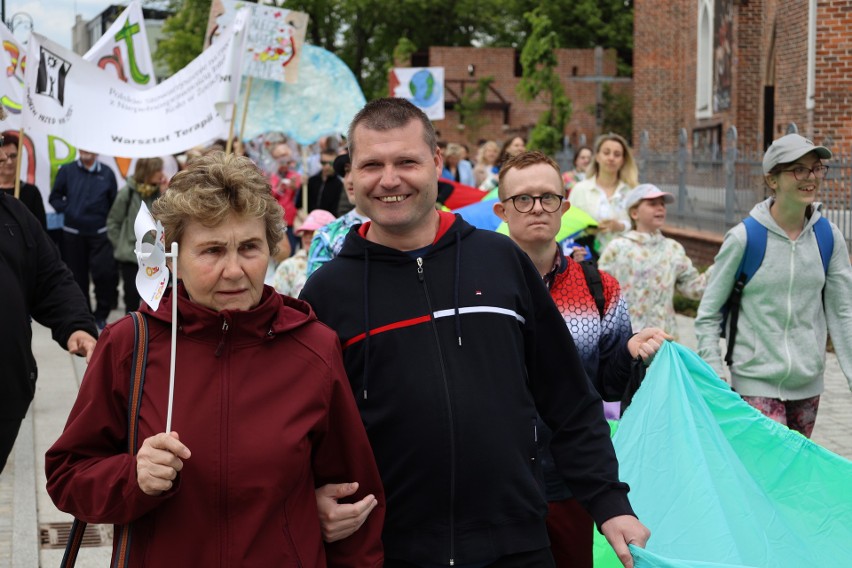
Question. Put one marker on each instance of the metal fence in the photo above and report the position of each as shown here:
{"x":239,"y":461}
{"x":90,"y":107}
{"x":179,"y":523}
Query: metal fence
{"x":716,"y":189}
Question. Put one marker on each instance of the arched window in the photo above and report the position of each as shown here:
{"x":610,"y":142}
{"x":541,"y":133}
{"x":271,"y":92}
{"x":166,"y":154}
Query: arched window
{"x":704,"y":66}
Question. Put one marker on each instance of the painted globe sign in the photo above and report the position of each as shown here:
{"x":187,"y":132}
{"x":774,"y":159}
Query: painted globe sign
{"x":423,"y":89}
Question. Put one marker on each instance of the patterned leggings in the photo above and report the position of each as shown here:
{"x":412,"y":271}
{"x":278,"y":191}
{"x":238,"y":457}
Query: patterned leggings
{"x":798,"y":415}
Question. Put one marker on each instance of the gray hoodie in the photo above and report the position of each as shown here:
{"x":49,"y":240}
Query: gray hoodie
{"x":781,"y":336}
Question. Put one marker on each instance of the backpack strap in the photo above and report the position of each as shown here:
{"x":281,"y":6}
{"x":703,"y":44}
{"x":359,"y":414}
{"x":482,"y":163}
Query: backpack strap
{"x":121,"y":540}
{"x":595,"y":284}
{"x":825,"y":241}
{"x":755,"y":250}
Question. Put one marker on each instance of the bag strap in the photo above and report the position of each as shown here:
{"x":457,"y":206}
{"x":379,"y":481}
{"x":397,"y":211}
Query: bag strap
{"x":138,"y":363}
{"x":825,"y":241}
{"x":595,"y":284}
{"x":755,"y":250}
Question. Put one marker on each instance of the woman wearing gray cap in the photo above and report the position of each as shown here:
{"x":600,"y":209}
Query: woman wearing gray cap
{"x":801,"y":290}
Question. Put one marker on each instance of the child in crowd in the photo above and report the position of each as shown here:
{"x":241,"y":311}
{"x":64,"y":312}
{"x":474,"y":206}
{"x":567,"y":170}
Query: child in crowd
{"x":292,"y":273}
{"x":650,"y":266}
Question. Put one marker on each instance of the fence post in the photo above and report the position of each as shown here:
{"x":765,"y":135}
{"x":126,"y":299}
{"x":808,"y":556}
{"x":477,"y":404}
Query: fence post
{"x":730,"y":174}
{"x":644,"y":142}
{"x":681,"y":170}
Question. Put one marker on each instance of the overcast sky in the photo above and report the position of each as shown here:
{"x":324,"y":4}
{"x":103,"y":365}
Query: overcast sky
{"x":55,"y":18}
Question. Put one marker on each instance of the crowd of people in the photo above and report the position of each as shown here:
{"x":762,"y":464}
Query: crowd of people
{"x":479,"y":364}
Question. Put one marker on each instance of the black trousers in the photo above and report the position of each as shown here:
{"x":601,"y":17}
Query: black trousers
{"x":534,"y":559}
{"x":87,"y":255}
{"x":8,"y":433}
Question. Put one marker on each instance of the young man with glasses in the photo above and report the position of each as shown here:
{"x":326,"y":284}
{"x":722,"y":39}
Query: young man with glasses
{"x":531,"y":201}
{"x":798,"y":294}
{"x":453,"y":347}
{"x":28,"y":193}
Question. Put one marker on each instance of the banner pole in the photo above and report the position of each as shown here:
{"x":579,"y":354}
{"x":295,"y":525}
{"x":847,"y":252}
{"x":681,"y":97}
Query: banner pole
{"x":245,"y":108}
{"x":18,"y":164}
{"x":230,"y":142}
{"x":304,"y":180}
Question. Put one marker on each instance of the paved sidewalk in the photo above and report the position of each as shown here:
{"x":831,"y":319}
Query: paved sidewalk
{"x":25,"y":508}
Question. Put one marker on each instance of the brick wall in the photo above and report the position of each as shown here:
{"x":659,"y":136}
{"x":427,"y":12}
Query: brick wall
{"x":791,"y":65}
{"x":701,"y":246}
{"x":499,"y":63}
{"x":833,"y":112}
{"x":663,"y":86}
{"x":665,"y":70}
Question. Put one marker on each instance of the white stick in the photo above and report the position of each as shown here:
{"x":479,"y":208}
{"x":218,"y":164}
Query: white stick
{"x":173,"y":255}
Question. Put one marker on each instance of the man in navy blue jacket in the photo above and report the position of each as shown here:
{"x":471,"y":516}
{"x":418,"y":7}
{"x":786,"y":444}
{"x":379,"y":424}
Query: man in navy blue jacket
{"x":84,"y":191}
{"x":453,"y":347}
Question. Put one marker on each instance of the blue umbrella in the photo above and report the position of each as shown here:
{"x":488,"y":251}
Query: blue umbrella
{"x":480,"y":214}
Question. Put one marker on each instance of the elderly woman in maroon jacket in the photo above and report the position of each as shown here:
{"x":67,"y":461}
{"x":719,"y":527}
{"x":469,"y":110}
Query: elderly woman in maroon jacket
{"x":263,"y":412}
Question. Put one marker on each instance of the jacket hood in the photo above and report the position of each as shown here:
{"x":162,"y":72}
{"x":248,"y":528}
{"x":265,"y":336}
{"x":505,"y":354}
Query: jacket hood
{"x":274,"y":314}
{"x":763,"y":216}
{"x":452,"y":225}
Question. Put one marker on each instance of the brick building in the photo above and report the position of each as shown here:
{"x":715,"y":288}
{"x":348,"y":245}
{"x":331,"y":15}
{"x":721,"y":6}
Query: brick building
{"x":759,"y":65}
{"x":583,"y":72}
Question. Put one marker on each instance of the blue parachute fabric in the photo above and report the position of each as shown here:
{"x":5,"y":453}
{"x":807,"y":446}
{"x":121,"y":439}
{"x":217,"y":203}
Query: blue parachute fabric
{"x":719,"y":484}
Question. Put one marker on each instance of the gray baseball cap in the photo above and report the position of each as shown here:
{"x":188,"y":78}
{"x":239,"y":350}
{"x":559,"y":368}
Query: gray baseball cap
{"x":646,"y":191}
{"x":790,"y":148}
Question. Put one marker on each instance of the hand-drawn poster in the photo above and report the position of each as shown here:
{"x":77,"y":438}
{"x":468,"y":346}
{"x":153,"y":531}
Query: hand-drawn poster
{"x":274,"y":38}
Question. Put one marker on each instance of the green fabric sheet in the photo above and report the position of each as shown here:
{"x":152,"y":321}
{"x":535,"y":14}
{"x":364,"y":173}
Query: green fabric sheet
{"x":720,"y":485}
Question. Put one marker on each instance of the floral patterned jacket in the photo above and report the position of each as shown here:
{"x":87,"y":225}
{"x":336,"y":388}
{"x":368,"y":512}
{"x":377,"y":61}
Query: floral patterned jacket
{"x":291,"y":274}
{"x":649,"y":268}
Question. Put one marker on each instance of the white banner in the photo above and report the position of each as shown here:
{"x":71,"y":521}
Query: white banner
{"x":423,"y":86}
{"x":123,"y":50}
{"x":70,"y":97}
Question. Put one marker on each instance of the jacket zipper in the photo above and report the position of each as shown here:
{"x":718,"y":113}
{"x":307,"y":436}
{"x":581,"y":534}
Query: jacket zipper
{"x":421,"y":278}
{"x":789,"y":360}
{"x":223,"y":442}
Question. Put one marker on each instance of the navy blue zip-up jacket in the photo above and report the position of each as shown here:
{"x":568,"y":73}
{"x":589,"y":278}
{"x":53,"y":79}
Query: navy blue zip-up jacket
{"x":85,"y":197}
{"x":451,"y":356}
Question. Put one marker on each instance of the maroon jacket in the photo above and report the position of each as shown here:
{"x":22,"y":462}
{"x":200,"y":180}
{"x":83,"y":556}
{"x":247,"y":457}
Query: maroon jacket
{"x":264,"y":406}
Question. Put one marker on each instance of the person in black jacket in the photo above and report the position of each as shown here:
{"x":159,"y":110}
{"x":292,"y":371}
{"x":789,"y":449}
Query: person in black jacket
{"x":453,"y":347}
{"x":324,"y":187}
{"x":35,"y":282}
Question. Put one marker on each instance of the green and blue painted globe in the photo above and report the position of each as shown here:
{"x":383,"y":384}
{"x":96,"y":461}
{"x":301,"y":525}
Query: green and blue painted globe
{"x":425,"y":90}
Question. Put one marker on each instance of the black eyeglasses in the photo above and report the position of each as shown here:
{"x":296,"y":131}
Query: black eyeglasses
{"x":327,"y":163}
{"x":801,"y":173}
{"x":523,"y":203}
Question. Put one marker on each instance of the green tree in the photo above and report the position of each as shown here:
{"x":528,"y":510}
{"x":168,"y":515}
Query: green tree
{"x":617,"y":107}
{"x":540,"y":81}
{"x":470,"y":107}
{"x":183,"y":33}
{"x":581,"y":24}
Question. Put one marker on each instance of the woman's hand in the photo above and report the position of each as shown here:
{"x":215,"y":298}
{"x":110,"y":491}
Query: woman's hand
{"x":158,"y":462}
{"x":338,"y":521}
